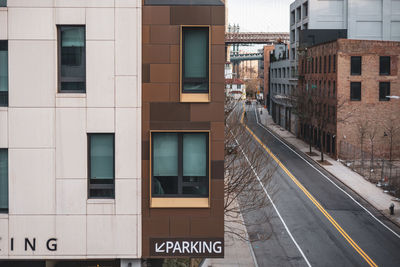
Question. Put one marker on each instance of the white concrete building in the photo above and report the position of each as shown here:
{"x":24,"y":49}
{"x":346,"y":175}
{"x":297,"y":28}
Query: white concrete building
{"x":70,"y":135}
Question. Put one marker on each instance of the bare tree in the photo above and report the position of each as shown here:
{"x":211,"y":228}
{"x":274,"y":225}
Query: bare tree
{"x":243,"y":158}
{"x":391,"y":127}
{"x":372,"y":132}
{"x":362,"y":129}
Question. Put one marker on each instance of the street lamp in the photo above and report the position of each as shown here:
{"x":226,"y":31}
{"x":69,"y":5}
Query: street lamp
{"x":393,"y":96}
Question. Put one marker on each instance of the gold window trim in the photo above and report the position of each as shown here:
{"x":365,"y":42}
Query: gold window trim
{"x":195,"y":97}
{"x":174,"y":202}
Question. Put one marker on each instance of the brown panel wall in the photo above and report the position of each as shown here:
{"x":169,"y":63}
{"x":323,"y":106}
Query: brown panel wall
{"x":163,"y":111}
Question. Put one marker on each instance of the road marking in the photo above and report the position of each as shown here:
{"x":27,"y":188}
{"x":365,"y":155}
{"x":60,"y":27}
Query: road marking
{"x":326,"y":177}
{"x":315,"y":202}
{"x":273,"y":205}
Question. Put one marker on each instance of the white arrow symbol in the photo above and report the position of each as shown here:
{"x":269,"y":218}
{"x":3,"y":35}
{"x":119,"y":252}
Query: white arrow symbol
{"x":160,"y":249}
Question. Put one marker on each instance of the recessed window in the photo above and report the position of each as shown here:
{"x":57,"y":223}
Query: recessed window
{"x":72,"y":59}
{"x":384,"y":65}
{"x":329,"y":63}
{"x":195,"y":52}
{"x":320,"y":64}
{"x":180,"y":164}
{"x":334,"y":63}
{"x":3,"y":3}
{"x":3,"y":180}
{"x":3,"y":73}
{"x":355,"y":66}
{"x":325,"y":64}
{"x":384,"y":91}
{"x":355,"y":91}
{"x":101,"y":165}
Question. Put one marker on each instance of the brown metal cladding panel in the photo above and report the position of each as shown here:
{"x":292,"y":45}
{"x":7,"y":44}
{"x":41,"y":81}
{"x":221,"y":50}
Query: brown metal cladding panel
{"x":164,"y":73}
{"x":155,"y":53}
{"x":218,"y":54}
{"x":169,"y":112}
{"x":145,"y":34}
{"x":164,"y":34}
{"x":190,"y":15}
{"x":205,"y":213}
{"x":157,"y":226}
{"x":174,"y":54}
{"x":217,"y":208}
{"x":217,"y":92}
{"x":218,"y":15}
{"x":180,"y":226}
{"x":207,"y":112}
{"x":164,"y":125}
{"x":218,"y":35}
{"x":156,"y":15}
{"x":207,"y":227}
{"x":145,"y":150}
{"x":217,"y":169}
{"x":157,"y":92}
{"x":145,"y":73}
{"x":174,"y":92}
{"x":217,"y":189}
{"x":217,"y":150}
{"x":217,"y":131}
{"x":217,"y":73}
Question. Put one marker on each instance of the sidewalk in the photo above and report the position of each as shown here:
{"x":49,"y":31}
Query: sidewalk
{"x":368,"y":191}
{"x":237,"y":251}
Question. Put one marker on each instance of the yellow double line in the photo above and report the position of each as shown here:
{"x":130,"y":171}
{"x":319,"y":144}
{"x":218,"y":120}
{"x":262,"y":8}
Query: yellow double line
{"x":313,"y":200}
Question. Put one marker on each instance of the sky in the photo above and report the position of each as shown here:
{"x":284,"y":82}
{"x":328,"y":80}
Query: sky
{"x":260,"y":15}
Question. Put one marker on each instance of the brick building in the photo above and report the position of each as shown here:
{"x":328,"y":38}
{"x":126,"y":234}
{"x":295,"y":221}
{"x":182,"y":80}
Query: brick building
{"x":353,"y":80}
{"x":182,"y":124}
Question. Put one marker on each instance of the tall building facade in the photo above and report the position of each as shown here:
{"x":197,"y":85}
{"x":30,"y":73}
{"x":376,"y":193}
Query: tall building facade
{"x":361,"y":19}
{"x":183,"y":128}
{"x":354,"y":85}
{"x":70,"y":133}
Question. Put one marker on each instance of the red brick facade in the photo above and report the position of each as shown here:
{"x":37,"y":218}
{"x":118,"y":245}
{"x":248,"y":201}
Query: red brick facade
{"x":327,"y":69}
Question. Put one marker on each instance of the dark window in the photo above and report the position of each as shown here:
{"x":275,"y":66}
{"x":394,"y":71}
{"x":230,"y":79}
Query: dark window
{"x":3,"y":73}
{"x":384,"y":91}
{"x":180,"y":164}
{"x":334,"y":63}
{"x":72,"y":59}
{"x":355,"y":66}
{"x":195,"y":51}
{"x":3,"y":180}
{"x":101,"y":165}
{"x":355,"y":91}
{"x":316,"y":64}
{"x":325,"y":64}
{"x":329,"y":88}
{"x":384,"y":65}
{"x":312,"y":65}
{"x":302,"y":66}
{"x":3,"y":2}
{"x":334,"y":89}
{"x":329,"y":64}
{"x":320,"y":64}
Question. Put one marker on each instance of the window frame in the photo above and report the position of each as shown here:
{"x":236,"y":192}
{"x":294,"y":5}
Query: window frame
{"x":385,"y":98}
{"x":180,"y":201}
{"x":5,"y":94}
{"x":351,"y":95}
{"x":351,"y":66}
{"x":6,"y":210}
{"x":99,"y":186}
{"x":59,"y":78}
{"x":380,"y":66}
{"x":194,"y":96}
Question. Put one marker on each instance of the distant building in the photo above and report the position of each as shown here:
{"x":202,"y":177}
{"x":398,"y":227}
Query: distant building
{"x":358,"y":81}
{"x":228,"y":70}
{"x":235,"y":88}
{"x":281,"y":87}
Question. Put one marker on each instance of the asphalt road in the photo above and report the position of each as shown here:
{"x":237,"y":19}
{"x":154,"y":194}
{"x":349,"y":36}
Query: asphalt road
{"x":328,"y":228}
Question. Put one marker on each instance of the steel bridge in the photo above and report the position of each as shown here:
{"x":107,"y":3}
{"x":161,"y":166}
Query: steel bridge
{"x":248,"y":56}
{"x":256,"y":37}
